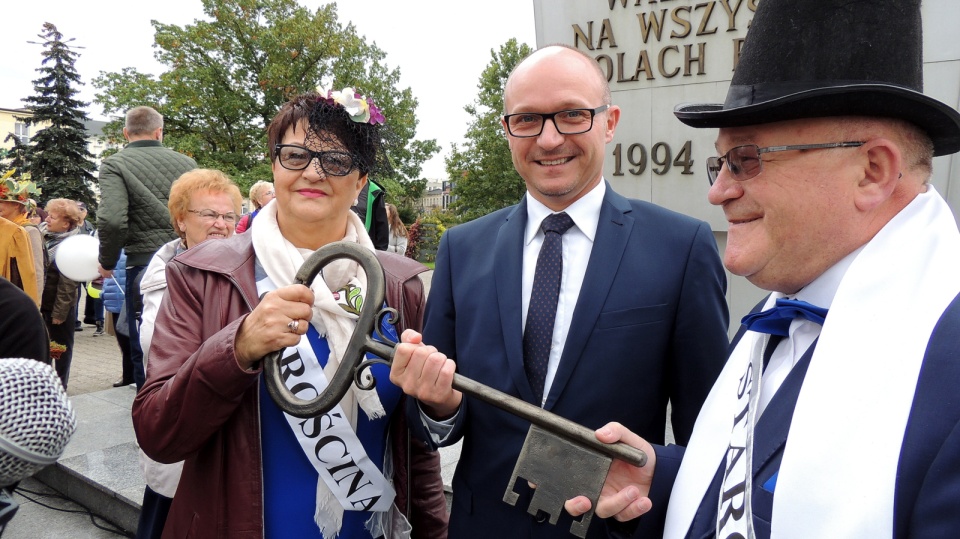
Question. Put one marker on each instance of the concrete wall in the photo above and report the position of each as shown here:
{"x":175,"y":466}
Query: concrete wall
{"x":662,"y":53}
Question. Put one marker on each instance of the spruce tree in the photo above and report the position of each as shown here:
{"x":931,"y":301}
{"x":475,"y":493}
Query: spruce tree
{"x":58,"y":159}
{"x":16,"y":157}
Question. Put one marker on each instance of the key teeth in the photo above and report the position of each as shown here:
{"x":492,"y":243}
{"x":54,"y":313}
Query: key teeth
{"x":538,"y":506}
{"x":510,"y":496}
{"x":580,"y":527}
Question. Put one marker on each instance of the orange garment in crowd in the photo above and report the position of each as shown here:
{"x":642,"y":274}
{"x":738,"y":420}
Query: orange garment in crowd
{"x":16,"y":258}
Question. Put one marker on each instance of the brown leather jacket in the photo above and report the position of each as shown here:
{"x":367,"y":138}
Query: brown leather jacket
{"x":198,"y":405}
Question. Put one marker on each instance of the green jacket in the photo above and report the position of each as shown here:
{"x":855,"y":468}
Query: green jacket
{"x":134,"y":189}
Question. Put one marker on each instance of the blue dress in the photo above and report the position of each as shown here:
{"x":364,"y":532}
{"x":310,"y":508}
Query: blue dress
{"x":290,"y":481}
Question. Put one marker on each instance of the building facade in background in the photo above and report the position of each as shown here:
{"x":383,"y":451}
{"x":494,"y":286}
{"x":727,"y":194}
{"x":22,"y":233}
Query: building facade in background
{"x":436,"y":197}
{"x":10,"y":124}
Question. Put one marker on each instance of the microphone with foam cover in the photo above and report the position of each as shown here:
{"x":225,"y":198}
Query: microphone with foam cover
{"x":36,"y":418}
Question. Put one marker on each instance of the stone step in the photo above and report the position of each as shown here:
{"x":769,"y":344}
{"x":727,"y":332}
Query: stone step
{"x":99,"y":468}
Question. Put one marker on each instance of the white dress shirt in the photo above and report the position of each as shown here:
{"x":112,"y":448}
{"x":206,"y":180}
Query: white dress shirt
{"x":577,"y":244}
{"x":802,"y":332}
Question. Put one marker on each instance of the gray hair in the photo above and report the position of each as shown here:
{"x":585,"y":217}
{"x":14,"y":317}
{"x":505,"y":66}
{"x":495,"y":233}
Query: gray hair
{"x":258,"y":189}
{"x":143,"y":121}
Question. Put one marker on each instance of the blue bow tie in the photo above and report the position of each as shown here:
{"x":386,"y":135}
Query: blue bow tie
{"x":776,"y":321}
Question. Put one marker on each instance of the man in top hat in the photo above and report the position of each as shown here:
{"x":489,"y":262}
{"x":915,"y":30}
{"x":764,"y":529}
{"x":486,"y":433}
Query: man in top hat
{"x":838,"y":419}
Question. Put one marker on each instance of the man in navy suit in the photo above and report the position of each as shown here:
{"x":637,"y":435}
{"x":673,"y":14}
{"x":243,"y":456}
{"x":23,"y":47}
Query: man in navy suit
{"x":845,"y":422}
{"x":640,"y":315}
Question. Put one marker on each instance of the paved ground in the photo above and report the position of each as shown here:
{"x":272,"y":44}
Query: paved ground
{"x":43,"y":512}
{"x":96,"y":362}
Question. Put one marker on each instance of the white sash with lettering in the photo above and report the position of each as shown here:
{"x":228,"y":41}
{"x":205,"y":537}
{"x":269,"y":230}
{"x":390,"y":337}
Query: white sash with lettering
{"x":734,"y":505}
{"x":330,"y":443}
{"x":857,"y":393}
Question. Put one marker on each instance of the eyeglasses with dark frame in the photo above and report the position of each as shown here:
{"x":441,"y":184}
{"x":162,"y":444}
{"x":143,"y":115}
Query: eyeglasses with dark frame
{"x":332,"y":163}
{"x":210,"y":215}
{"x":567,"y":122}
{"x":743,"y":162}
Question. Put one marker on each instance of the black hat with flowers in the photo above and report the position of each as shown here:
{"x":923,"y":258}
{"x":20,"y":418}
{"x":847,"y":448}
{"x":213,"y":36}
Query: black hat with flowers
{"x":822,"y":58}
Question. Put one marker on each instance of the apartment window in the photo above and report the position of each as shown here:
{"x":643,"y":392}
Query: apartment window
{"x":22,"y":132}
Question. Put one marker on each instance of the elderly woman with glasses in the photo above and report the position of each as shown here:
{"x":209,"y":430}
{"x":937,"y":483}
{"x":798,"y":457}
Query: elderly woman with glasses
{"x":203,"y":205}
{"x":58,"y":303}
{"x":260,"y":194}
{"x":250,"y":469}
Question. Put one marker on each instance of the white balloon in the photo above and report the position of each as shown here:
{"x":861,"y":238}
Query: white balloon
{"x":78,"y":258}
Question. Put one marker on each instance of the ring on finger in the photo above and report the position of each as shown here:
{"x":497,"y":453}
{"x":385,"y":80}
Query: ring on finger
{"x":294,"y":326}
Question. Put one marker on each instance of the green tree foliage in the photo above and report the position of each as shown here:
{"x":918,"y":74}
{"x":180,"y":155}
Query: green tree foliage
{"x":16,"y":157}
{"x":482,"y":169}
{"x":58,"y":160}
{"x":227,"y":77}
{"x":405,"y":196}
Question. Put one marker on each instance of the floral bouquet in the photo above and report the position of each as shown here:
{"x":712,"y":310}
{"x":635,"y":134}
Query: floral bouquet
{"x":56,"y":350}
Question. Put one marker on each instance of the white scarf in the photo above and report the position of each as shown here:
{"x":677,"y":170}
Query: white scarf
{"x":281,"y":260}
{"x":838,"y":473}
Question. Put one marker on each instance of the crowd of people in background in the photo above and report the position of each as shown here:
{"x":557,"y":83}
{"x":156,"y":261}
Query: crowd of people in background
{"x":28,"y":243}
{"x":156,"y":204}
{"x":29,"y":239}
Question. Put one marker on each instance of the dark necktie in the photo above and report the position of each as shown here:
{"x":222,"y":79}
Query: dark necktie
{"x":776,"y":321}
{"x":542,"y":311}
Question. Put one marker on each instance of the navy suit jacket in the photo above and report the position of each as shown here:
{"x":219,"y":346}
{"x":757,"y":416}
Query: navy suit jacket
{"x":649,"y":326}
{"x":927,"y":491}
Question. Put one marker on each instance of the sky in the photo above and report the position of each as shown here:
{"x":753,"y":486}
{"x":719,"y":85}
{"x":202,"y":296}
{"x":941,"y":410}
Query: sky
{"x":441,"y":47}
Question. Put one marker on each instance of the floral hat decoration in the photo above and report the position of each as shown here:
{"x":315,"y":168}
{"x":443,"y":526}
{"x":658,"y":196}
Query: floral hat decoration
{"x":360,"y":108}
{"x":351,"y":122}
{"x":17,"y":191}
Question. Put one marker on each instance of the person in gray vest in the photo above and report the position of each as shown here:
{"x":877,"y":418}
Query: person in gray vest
{"x":134,"y":186}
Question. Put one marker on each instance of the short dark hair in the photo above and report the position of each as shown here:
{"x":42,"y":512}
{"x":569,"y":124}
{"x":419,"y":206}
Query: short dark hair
{"x":323,"y":119}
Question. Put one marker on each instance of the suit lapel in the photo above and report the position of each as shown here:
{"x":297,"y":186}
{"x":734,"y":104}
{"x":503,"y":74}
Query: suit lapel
{"x":508,"y":269}
{"x":773,"y":426}
{"x":769,"y":440}
{"x":613,"y":231}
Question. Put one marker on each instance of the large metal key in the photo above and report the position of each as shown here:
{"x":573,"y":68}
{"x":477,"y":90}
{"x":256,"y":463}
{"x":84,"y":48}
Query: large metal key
{"x":564,"y":459}
{"x":561,"y":470}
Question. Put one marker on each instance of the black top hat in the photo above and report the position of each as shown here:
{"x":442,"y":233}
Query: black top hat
{"x":821,"y":58}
